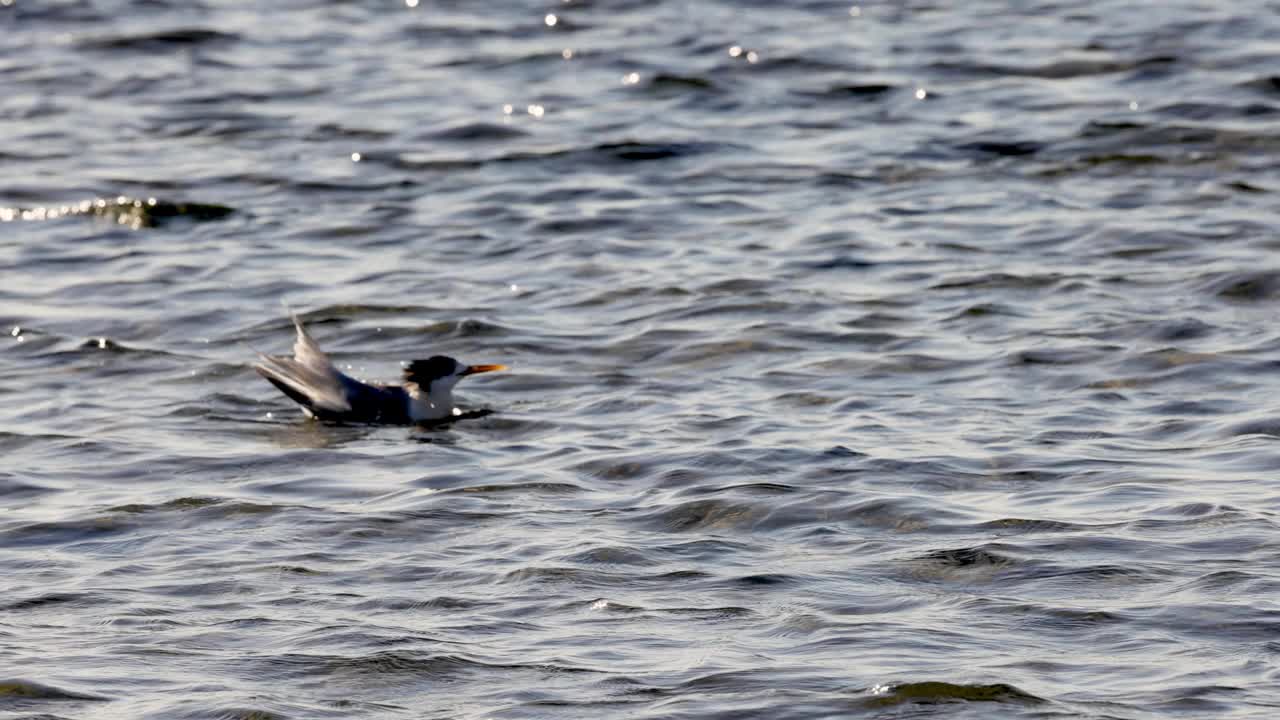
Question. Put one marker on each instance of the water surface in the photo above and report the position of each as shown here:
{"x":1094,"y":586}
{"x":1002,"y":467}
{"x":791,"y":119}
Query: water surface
{"x":889,"y":360}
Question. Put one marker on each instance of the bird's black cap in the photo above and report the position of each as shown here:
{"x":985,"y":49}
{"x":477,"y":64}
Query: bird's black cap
{"x":423,"y":372}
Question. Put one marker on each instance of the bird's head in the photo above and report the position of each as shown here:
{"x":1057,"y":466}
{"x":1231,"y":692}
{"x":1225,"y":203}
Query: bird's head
{"x":439,"y":373}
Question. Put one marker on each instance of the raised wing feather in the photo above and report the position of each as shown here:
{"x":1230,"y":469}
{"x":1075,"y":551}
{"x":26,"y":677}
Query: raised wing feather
{"x":308,"y":377}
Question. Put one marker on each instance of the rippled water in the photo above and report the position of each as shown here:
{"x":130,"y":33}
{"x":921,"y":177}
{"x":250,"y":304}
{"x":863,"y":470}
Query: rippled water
{"x":894,"y":360}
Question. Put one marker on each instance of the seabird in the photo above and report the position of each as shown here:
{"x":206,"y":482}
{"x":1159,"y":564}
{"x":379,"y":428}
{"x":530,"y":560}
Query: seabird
{"x":311,"y":380}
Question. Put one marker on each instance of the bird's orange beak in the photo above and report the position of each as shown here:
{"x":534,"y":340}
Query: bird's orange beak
{"x":473,"y":369}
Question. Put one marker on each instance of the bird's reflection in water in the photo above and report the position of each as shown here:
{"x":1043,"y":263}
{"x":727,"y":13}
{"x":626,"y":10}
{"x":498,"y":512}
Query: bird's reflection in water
{"x":431,"y":432}
{"x":314,"y":434}
{"x":306,"y":433}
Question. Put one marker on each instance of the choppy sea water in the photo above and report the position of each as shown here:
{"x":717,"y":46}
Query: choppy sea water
{"x":882,"y":360}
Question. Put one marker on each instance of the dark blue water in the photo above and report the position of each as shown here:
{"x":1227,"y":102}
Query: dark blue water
{"x":890,"y":360}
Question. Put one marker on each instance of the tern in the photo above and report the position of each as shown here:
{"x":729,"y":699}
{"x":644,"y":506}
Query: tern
{"x":310,"y":379}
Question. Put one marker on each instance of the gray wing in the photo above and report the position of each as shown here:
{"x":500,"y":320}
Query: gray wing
{"x":308,"y":377}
